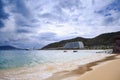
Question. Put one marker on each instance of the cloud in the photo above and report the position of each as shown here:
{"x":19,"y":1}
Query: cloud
{"x":47,"y":36}
{"x":25,"y":24}
{"x":111,"y":14}
{"x":22,"y":31}
{"x":3,"y":14}
{"x":19,"y":7}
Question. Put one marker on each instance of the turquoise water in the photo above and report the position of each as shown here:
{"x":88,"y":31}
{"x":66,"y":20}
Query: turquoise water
{"x":20,"y":58}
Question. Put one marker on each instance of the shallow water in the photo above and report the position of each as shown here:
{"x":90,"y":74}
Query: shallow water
{"x":41,"y":64}
{"x":19,"y":58}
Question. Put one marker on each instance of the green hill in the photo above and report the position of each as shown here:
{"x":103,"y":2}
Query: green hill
{"x":105,"y":40}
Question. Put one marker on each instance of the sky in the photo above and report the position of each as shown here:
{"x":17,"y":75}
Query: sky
{"x":36,"y":23}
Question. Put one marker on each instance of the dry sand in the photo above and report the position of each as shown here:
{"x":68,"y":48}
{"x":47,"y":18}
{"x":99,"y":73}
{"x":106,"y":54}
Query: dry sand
{"x":109,"y":70}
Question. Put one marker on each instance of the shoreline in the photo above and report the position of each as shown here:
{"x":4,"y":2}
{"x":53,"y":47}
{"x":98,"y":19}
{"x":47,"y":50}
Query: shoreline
{"x":72,"y":69}
{"x":81,"y":70}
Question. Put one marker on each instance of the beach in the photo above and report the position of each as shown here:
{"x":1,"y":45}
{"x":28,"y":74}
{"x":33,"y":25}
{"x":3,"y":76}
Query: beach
{"x":66,"y":70}
{"x":104,"y":69}
{"x":109,"y":70}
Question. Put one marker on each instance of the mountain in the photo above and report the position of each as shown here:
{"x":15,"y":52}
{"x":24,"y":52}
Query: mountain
{"x":105,"y":40}
{"x":7,"y":47}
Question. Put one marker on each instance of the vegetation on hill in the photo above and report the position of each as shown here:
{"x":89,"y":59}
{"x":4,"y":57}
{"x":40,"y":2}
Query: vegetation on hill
{"x":105,"y":40}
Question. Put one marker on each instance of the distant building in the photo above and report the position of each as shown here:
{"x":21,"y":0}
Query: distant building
{"x":74,"y":45}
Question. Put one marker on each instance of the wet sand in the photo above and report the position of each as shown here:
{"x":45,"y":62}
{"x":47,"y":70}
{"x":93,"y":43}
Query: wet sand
{"x":98,"y":70}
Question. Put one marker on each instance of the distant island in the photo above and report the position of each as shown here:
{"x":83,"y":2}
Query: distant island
{"x":103,"y":41}
{"x":8,"y":47}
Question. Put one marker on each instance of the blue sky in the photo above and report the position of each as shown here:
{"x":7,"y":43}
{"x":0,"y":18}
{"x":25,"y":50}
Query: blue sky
{"x":36,"y":23}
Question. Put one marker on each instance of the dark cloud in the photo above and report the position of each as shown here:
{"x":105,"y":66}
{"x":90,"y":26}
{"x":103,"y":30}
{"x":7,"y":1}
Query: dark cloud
{"x":70,"y":10}
{"x":58,"y":11}
{"x":111,"y":13}
{"x":20,"y":7}
{"x":23,"y":31}
{"x":93,"y":2}
{"x":48,"y":15}
{"x":22,"y":15}
{"x":70,"y":4}
{"x":3,"y":14}
{"x":51,"y":17}
{"x":47,"y":36}
{"x":22,"y":21}
{"x":109,"y":20}
{"x":113,"y":6}
{"x":1,"y":24}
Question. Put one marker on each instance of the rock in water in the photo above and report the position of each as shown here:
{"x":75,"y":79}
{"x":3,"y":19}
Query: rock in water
{"x":117,"y":44}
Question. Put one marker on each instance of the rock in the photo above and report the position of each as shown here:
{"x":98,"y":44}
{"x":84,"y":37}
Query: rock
{"x":116,"y":48}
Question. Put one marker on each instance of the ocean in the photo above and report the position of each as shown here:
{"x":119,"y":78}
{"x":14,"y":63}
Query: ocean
{"x":43,"y":63}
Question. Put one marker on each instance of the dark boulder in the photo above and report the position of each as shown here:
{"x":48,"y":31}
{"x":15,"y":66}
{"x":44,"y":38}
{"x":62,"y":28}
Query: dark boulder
{"x":117,"y":44}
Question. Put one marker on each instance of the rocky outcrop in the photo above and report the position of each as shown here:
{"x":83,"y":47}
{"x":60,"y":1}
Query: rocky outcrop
{"x":117,"y":45}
